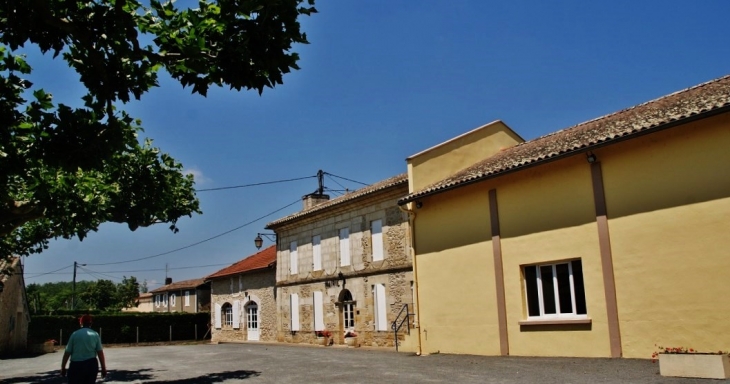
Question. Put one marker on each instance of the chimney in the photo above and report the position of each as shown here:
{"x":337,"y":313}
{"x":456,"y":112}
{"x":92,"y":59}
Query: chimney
{"x":313,"y":199}
{"x":168,"y":280}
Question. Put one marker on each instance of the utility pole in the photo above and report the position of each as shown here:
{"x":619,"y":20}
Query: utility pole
{"x":73,"y":286}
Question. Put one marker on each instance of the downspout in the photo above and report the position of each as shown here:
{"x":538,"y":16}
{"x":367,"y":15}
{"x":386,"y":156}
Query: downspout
{"x":412,"y":235}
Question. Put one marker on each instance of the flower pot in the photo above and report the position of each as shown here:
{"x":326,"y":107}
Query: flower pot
{"x":351,"y":341}
{"x":694,"y":365}
{"x":323,"y":341}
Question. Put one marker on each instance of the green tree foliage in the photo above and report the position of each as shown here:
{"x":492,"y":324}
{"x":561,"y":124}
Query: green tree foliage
{"x":90,"y":295}
{"x":128,"y":292}
{"x":66,"y":170}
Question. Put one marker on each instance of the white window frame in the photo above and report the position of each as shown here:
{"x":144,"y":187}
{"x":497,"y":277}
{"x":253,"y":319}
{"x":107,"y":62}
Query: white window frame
{"x":376,"y":234}
{"x":317,"y":253}
{"x":187,"y":298}
{"x":556,"y":294}
{"x":293,"y":258}
{"x":172,"y":300}
{"x":227,"y":314}
{"x":348,"y":315}
{"x":294,"y":307}
{"x":381,"y":314}
{"x":344,"y":247}
{"x":164,"y":299}
{"x":157,"y":301}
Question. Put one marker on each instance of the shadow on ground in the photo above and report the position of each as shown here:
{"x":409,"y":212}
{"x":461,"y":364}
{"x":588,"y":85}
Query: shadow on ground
{"x":142,"y":375}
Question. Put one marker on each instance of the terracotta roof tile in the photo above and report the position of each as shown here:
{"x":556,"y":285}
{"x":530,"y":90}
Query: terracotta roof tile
{"x":643,"y":118}
{"x":370,"y":189}
{"x":255,"y":262}
{"x":183,"y":284}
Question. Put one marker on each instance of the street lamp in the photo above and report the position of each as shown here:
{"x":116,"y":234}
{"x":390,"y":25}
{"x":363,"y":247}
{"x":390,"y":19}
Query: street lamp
{"x":258,"y":241}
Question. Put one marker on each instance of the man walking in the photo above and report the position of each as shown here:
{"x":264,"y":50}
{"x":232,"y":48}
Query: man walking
{"x":83,"y":348}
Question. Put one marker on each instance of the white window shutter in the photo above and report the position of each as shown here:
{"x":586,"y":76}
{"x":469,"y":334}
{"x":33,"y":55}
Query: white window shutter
{"x":294,"y":312}
{"x":318,"y":311}
{"x":236,"y":314}
{"x":376,"y":230}
{"x":293,"y":258}
{"x":381,"y":315}
{"x":317,"y":253}
{"x":217,"y":316}
{"x":344,"y":247}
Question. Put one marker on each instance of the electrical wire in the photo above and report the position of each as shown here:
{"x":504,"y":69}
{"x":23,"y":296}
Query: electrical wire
{"x":53,"y":272}
{"x":336,"y":182}
{"x":140,"y":270}
{"x":199,"y":242}
{"x":344,"y":178}
{"x":254,"y":184}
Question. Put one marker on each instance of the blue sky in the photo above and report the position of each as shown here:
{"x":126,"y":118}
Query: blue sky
{"x":380,"y":81}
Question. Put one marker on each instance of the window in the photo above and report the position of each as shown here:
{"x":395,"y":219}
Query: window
{"x":294,"y":302}
{"x":381,"y":316}
{"x":172,"y":299}
{"x":316,"y":253}
{"x":157,"y":301}
{"x":227,"y":311}
{"x":348,"y":310}
{"x":376,"y":232}
{"x":555,"y":290}
{"x":187,"y":298}
{"x":164,"y":300}
{"x":293,"y":258}
{"x":318,"y":308}
{"x":344,"y":247}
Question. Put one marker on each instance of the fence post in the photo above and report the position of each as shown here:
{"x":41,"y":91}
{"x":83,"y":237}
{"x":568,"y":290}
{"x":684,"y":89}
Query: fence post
{"x":170,"y":332}
{"x":196,"y":332}
{"x":137,"y":334}
{"x":60,"y":337}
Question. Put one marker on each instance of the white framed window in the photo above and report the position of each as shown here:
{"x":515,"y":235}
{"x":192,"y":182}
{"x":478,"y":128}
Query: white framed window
{"x":187,"y":298}
{"x":157,"y":301}
{"x":344,"y":247}
{"x":293,"y":258}
{"x":555,"y":290}
{"x":381,"y":316}
{"x":227,"y":314}
{"x":318,"y":308}
{"x":172,"y":299}
{"x":348,"y":312}
{"x":164,"y":299}
{"x":294,"y":305}
{"x":316,"y":253}
{"x":376,"y":233}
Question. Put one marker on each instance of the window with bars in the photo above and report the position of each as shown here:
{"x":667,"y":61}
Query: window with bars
{"x":555,"y":290}
{"x":227,"y":310}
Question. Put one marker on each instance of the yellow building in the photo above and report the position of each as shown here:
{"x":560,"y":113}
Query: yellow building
{"x":600,"y":240}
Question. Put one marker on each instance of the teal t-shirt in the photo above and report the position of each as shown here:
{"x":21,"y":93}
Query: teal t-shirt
{"x":83,"y":344}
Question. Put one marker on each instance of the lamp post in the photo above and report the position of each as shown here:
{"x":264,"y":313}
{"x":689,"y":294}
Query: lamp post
{"x":258,"y":241}
{"x":73,"y":286}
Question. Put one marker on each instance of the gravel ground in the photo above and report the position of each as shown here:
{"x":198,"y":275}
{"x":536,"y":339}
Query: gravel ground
{"x":282,"y":364}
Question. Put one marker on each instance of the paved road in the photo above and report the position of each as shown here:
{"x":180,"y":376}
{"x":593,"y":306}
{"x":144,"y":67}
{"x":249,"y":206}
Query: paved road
{"x":283,"y":364}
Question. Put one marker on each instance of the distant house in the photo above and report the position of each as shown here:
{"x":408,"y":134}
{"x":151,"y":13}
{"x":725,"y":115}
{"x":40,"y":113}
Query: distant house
{"x":144,"y":303}
{"x":191,"y":296}
{"x":243,"y":299}
{"x":344,"y":266}
{"x":14,"y":311}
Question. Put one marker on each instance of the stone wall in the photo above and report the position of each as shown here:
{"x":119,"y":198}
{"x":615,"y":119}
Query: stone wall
{"x":257,"y":287}
{"x":13,"y":316}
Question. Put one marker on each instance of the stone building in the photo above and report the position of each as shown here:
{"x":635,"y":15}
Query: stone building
{"x":14,"y":311}
{"x":243,"y":299}
{"x":344,"y":265}
{"x":190,"y":296}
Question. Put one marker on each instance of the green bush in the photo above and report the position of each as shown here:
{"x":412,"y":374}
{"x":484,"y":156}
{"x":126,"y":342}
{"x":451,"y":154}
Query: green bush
{"x":122,"y":327}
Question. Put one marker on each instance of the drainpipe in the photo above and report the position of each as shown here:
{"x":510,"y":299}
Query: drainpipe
{"x":411,"y":225}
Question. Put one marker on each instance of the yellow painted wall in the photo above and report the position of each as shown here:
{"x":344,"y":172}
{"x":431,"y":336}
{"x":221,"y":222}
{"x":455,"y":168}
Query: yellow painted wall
{"x":443,"y":160}
{"x":456,"y":266}
{"x":547,"y":214}
{"x":668,"y":197}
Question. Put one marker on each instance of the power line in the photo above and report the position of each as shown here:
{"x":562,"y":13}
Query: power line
{"x":254,"y":184}
{"x":199,"y":242}
{"x":136,"y":270}
{"x":344,"y":178}
{"x":48,"y":273}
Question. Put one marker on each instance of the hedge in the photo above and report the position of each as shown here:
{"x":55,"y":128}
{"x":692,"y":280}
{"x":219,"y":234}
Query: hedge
{"x":123,"y":327}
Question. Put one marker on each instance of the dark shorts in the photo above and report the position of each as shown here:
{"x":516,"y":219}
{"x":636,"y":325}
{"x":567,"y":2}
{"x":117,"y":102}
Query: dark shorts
{"x":83,"y":372}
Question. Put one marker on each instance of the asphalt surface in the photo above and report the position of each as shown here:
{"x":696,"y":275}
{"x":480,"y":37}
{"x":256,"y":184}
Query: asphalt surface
{"x":282,"y":364}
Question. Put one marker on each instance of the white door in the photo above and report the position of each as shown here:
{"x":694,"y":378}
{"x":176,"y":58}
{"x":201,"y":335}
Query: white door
{"x":252,"y":321}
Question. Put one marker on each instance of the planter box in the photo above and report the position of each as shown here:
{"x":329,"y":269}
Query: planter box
{"x":694,"y":365}
{"x":351,"y":341}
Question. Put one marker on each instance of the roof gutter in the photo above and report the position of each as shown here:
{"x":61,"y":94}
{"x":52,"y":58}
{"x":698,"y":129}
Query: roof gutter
{"x":564,"y":155}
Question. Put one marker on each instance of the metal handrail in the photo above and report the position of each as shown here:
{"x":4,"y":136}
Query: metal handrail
{"x":396,"y":326}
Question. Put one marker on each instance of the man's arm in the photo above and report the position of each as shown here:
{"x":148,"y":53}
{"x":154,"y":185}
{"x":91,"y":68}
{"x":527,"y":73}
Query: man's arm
{"x":102,"y":362}
{"x":66,"y":355}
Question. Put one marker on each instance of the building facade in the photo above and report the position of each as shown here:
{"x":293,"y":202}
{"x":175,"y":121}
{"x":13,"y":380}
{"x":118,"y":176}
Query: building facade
{"x":190,"y":296}
{"x":600,"y":240}
{"x":243,"y":299}
{"x":343,"y":266}
{"x":14,"y":311}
